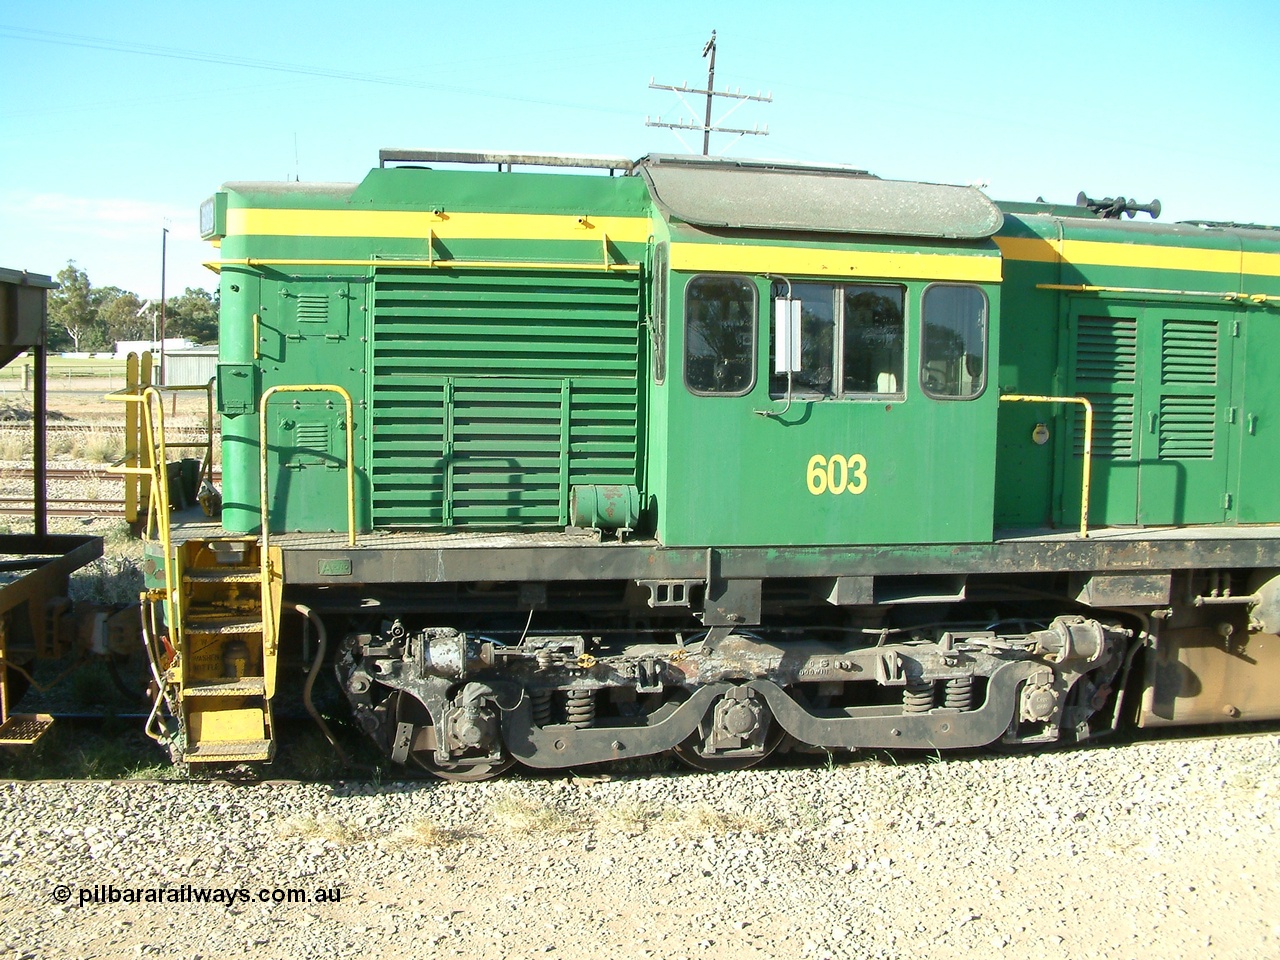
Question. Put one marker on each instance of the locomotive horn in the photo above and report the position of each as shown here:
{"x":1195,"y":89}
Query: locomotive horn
{"x":1111,"y":208}
{"x":1152,"y":208}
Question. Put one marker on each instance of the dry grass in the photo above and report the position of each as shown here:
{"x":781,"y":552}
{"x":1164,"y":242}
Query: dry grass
{"x":517,"y":814}
{"x":324,"y":827}
{"x":702,"y":818}
{"x":424,"y":832}
{"x":113,"y":579}
{"x":628,"y":816}
{"x":15,"y":445}
{"x":103,"y":446}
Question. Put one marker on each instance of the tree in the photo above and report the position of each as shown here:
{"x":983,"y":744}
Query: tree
{"x":122,"y":315}
{"x":73,"y":314}
{"x":193,"y":315}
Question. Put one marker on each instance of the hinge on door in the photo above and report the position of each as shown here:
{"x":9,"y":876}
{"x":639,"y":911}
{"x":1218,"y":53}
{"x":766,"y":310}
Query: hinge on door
{"x":1226,"y":501}
{"x":1231,"y":414}
{"x":1235,"y":328}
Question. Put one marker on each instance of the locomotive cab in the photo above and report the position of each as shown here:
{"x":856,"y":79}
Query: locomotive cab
{"x":880,"y":428}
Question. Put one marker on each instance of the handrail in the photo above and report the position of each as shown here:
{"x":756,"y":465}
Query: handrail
{"x":153,"y":445}
{"x":433,"y":262}
{"x":1088,"y":444}
{"x":206,"y":463}
{"x":264,"y":553}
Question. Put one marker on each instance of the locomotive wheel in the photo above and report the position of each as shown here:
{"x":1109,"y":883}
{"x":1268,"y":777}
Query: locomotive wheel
{"x":407,"y":709}
{"x":688,"y":752}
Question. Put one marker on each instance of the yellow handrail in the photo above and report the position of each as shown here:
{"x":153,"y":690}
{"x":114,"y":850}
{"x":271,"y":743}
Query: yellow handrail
{"x":154,"y":452}
{"x":1088,"y":445}
{"x":217,"y":265}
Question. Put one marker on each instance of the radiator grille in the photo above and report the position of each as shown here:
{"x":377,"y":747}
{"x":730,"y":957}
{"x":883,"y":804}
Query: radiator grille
{"x":496,"y":392}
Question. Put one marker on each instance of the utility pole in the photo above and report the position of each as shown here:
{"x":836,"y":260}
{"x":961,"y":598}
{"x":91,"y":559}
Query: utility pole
{"x":709,"y":47}
{"x":164,"y":259}
{"x":706,"y":126}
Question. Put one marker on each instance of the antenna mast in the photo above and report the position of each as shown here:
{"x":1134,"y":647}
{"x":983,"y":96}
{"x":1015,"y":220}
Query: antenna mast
{"x":706,"y":126}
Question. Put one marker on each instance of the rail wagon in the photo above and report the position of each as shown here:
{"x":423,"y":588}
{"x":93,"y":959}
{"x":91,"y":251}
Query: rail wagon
{"x":571,"y":459}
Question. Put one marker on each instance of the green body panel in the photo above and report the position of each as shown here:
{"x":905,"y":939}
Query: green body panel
{"x":523,"y":429}
{"x":484,"y":393}
{"x":734,"y":477}
{"x":498,"y":392}
{"x":1162,"y":352}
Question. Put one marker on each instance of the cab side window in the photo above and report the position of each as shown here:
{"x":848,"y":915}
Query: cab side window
{"x":720,"y":335}
{"x":954,"y":342}
{"x":852,"y":341}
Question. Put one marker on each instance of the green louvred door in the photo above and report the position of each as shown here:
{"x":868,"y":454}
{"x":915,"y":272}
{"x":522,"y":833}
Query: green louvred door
{"x":1160,"y":380}
{"x":498,"y":391}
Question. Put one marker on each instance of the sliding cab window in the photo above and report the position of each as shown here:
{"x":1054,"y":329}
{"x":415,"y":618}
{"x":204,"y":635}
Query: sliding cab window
{"x":953,"y":347}
{"x":720,"y":336}
{"x":852,"y":341}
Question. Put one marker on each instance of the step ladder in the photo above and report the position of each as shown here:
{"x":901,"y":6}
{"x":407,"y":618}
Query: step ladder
{"x":16,"y":729}
{"x":226,"y":645}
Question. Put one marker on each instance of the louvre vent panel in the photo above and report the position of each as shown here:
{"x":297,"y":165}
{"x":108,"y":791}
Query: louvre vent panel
{"x":313,"y":308}
{"x":496,"y":393}
{"x":1112,"y":427}
{"x":1107,"y":349}
{"x":1187,"y":428}
{"x":1189,"y":352}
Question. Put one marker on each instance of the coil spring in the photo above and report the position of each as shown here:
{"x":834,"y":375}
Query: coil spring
{"x":580,"y":708}
{"x":958,"y":693}
{"x":541,"y":708}
{"x":917,"y":696}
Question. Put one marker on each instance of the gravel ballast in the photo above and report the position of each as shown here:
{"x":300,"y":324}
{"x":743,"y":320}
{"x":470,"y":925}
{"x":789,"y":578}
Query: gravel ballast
{"x":1154,"y":849}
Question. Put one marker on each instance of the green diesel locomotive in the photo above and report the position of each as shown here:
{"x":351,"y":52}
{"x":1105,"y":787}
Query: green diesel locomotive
{"x":572,"y":459}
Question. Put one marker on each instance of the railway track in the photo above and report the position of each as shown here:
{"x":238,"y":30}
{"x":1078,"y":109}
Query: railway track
{"x":64,"y":508}
{"x":75,"y":473}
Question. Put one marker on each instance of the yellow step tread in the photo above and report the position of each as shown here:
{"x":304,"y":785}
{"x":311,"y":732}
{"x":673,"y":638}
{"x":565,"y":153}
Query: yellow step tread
{"x":229,"y":751}
{"x":223,"y":624}
{"x":243,"y":687}
{"x":24,"y":729}
{"x":222,"y":575}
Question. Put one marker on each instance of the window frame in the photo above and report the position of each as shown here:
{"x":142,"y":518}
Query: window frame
{"x":660,"y":294}
{"x":840,"y":286}
{"x":986,"y":343}
{"x":754,"y":348}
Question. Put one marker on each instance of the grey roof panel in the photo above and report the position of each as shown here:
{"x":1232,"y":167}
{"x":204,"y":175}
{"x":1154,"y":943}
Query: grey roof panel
{"x":771,"y":196}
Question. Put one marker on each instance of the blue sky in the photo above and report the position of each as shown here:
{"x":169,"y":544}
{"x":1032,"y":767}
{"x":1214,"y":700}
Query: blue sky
{"x":118,"y":118}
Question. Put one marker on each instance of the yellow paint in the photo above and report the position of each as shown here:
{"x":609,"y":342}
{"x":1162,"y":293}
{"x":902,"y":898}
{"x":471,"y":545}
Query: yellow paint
{"x":226,"y":725}
{"x":417,"y":224}
{"x":1261,"y":264}
{"x":822,"y":475}
{"x":1143,"y":255}
{"x":725,"y":258}
{"x":217,"y":265}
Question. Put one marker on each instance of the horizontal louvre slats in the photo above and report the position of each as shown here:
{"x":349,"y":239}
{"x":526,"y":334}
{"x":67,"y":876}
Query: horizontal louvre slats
{"x":1112,"y":427}
{"x":1187,"y":428}
{"x":1189,"y":352}
{"x":469,"y":375}
{"x":1107,"y":349}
